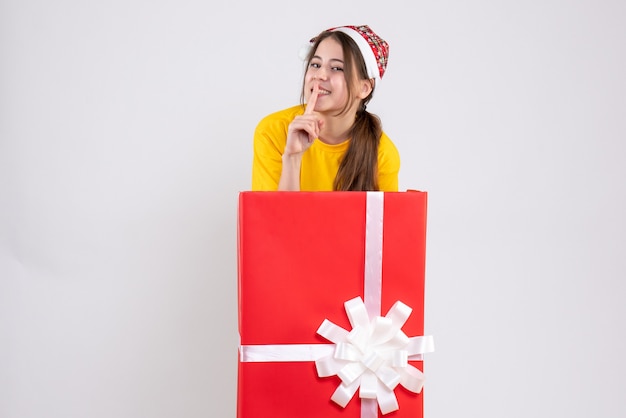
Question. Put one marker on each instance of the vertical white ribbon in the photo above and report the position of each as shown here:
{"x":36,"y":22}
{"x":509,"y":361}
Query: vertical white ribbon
{"x":374,"y":215}
{"x":369,"y":408}
{"x":373,"y":280}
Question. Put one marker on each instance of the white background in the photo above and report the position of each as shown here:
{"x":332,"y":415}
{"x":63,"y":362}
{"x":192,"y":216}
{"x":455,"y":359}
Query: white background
{"x":125,"y":138}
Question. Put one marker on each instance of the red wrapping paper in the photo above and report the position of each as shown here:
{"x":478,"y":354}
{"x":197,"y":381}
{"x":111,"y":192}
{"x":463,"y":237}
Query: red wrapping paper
{"x":300,"y":257}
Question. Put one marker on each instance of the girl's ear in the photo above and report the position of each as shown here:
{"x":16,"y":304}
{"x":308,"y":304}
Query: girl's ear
{"x":365,"y":88}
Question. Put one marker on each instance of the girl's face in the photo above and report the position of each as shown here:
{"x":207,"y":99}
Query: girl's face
{"x":327,"y":69}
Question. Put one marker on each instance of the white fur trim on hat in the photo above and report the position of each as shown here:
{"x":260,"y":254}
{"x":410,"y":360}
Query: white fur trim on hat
{"x":366,"y":51}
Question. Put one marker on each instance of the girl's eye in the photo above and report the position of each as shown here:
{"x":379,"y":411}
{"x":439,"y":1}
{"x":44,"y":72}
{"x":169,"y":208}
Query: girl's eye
{"x":337,"y":69}
{"x":314,"y":65}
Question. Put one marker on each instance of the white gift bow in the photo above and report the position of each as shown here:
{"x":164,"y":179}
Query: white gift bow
{"x":375,"y":386}
{"x":373,"y":357}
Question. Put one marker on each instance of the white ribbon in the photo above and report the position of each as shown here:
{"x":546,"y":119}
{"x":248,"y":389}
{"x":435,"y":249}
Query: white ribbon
{"x":373,"y":276}
{"x":373,"y":356}
{"x":284,"y":352}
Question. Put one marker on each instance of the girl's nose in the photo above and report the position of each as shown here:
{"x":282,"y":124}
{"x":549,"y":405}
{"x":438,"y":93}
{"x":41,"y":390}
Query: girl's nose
{"x":320,"y":74}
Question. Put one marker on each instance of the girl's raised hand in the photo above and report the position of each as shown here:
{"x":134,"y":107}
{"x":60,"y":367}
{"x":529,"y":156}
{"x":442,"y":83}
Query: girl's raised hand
{"x":304,"y":129}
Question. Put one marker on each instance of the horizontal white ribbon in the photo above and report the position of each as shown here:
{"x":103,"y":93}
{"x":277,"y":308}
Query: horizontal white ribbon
{"x":284,"y":352}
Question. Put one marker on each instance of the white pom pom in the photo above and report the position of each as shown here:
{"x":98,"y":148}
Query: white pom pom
{"x":303,"y":53}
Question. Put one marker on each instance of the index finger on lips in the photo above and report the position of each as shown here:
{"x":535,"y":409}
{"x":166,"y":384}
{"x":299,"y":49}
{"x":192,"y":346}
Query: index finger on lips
{"x":310,"y":106}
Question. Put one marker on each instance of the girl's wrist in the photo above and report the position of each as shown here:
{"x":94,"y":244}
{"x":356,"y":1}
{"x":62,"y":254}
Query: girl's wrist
{"x":293,"y":158}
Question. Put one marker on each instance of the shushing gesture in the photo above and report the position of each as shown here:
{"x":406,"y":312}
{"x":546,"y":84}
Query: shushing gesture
{"x":304,"y":129}
{"x":342,"y":67}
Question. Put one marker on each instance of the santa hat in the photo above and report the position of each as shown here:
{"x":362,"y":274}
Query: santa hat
{"x":374,"y":49}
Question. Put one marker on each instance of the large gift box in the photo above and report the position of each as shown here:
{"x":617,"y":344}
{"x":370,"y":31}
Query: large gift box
{"x":331,"y":304}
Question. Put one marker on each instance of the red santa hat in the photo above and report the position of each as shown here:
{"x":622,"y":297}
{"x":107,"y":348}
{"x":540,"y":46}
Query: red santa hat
{"x":374,"y":49}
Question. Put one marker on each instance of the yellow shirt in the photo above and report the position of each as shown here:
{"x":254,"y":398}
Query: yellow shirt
{"x":320,"y":162}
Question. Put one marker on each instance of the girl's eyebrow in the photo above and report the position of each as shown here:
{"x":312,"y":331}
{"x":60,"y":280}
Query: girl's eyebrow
{"x":332,"y":59}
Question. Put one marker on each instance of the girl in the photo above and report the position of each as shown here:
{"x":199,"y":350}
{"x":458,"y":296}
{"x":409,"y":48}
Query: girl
{"x":332,"y":143}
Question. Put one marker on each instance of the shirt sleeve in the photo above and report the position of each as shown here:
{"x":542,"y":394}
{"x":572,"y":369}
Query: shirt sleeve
{"x":388,"y":165}
{"x":267,"y":157}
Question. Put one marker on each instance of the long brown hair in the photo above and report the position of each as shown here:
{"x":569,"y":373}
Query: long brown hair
{"x":358,"y":170}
